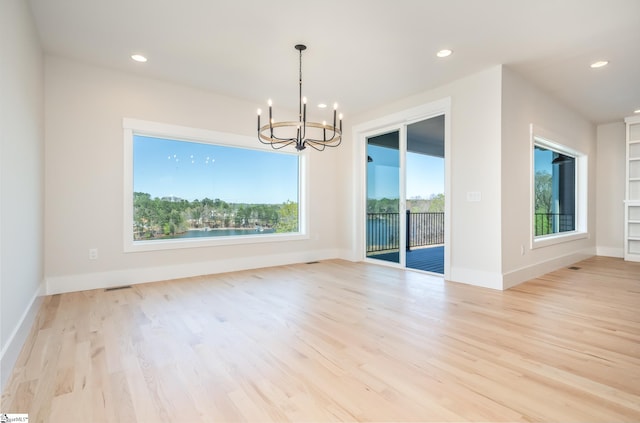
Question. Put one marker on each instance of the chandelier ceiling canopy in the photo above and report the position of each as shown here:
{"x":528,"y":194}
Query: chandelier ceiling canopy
{"x":301,"y":132}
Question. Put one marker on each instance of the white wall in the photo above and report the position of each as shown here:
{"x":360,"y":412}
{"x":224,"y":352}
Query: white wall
{"x":85,"y":106}
{"x":524,"y":104}
{"x":491,"y":113}
{"x":610,"y":189}
{"x":475,"y":167}
{"x":21,"y":183}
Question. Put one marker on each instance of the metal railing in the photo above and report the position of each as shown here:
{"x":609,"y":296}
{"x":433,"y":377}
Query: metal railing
{"x":425,"y":229}
{"x":383,"y":230}
{"x":552,"y":223}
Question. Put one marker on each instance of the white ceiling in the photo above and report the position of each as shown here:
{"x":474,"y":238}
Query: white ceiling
{"x":361,"y":53}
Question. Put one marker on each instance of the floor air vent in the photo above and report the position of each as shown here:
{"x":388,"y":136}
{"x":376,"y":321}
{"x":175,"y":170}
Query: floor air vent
{"x":574,"y":268}
{"x":313,"y":262}
{"x":115,"y":288}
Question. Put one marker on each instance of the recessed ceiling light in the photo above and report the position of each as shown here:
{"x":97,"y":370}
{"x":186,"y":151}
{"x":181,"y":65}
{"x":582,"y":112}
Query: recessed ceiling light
{"x":599,"y":64}
{"x":636,"y":111}
{"x":322,"y":106}
{"x":444,"y":53}
{"x":139,"y":58}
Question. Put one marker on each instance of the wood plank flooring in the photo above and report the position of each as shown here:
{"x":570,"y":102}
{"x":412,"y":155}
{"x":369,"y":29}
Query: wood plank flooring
{"x":338,"y":341}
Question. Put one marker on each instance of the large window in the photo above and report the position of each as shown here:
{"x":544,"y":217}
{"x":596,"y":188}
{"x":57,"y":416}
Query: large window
{"x":187,"y":187}
{"x":559,"y":190}
{"x":555,"y":191}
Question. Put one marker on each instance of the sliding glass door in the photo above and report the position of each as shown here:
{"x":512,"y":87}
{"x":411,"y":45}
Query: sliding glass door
{"x":405,"y":216}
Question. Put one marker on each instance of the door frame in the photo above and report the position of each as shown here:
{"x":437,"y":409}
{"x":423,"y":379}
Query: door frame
{"x":400,"y":121}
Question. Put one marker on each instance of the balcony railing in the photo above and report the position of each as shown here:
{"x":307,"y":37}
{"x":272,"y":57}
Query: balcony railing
{"x":422,"y":229}
{"x":553,"y":223}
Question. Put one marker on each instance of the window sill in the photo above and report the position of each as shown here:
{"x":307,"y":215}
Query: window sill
{"x":548,"y":240}
{"x":163,"y":244}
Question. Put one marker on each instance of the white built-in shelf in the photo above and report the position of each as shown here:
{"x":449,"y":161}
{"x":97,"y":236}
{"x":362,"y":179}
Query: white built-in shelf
{"x":632,"y":182}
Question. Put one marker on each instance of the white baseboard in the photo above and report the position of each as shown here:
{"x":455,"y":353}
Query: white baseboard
{"x":100,"y":280}
{"x":516,"y":277}
{"x":476,"y":277}
{"x":610,"y":252}
{"x":11,"y":350}
{"x":350,"y":255}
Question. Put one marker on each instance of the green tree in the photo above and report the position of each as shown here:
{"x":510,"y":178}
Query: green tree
{"x":436,"y":203}
{"x":542,"y":189}
{"x":287,"y":218}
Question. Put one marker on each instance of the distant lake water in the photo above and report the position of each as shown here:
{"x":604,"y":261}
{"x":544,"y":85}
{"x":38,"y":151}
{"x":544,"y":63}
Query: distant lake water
{"x":222,"y":232}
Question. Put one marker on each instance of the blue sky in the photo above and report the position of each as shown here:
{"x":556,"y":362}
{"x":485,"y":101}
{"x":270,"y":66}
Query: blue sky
{"x":191,"y":170}
{"x":425,"y":174}
{"x":542,"y":159}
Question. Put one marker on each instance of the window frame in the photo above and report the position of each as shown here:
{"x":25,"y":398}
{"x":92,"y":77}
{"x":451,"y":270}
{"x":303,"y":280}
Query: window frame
{"x":545,"y":139}
{"x":133,"y":127}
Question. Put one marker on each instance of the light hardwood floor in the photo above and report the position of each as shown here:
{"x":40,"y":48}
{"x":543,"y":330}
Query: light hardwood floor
{"x":338,"y":341}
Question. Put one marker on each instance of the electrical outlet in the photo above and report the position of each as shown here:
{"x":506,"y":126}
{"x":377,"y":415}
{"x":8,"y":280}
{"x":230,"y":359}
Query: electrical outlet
{"x":93,"y":254}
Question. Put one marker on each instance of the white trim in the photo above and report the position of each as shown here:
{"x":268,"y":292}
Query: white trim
{"x":184,"y":133}
{"x":179,"y":243}
{"x":475,"y":277}
{"x":610,"y":252}
{"x":388,"y":123}
{"x":518,"y":276}
{"x":100,"y":280}
{"x":559,"y":238}
{"x":542,"y":137}
{"x":11,"y":350}
{"x":632,"y":119}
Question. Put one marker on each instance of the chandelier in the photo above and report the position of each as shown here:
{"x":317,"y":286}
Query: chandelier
{"x":300,"y":132}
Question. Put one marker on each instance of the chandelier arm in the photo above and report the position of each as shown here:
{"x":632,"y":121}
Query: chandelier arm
{"x":276,"y":140}
{"x":267,"y":140}
{"x":315,"y":146}
{"x":336,"y":134}
{"x":335,"y":138}
{"x":278,"y":144}
{"x":281,"y":142}
{"x":332,"y":143}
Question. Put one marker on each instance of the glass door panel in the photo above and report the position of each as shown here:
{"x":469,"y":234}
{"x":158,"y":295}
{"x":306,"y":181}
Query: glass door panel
{"x":425,"y":195}
{"x":383,"y":197}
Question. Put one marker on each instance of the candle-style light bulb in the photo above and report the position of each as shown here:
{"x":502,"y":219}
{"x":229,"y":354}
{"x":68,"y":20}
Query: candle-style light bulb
{"x":335,"y":106}
{"x":304,"y":109}
{"x":259,"y":112}
{"x":270,"y":118}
